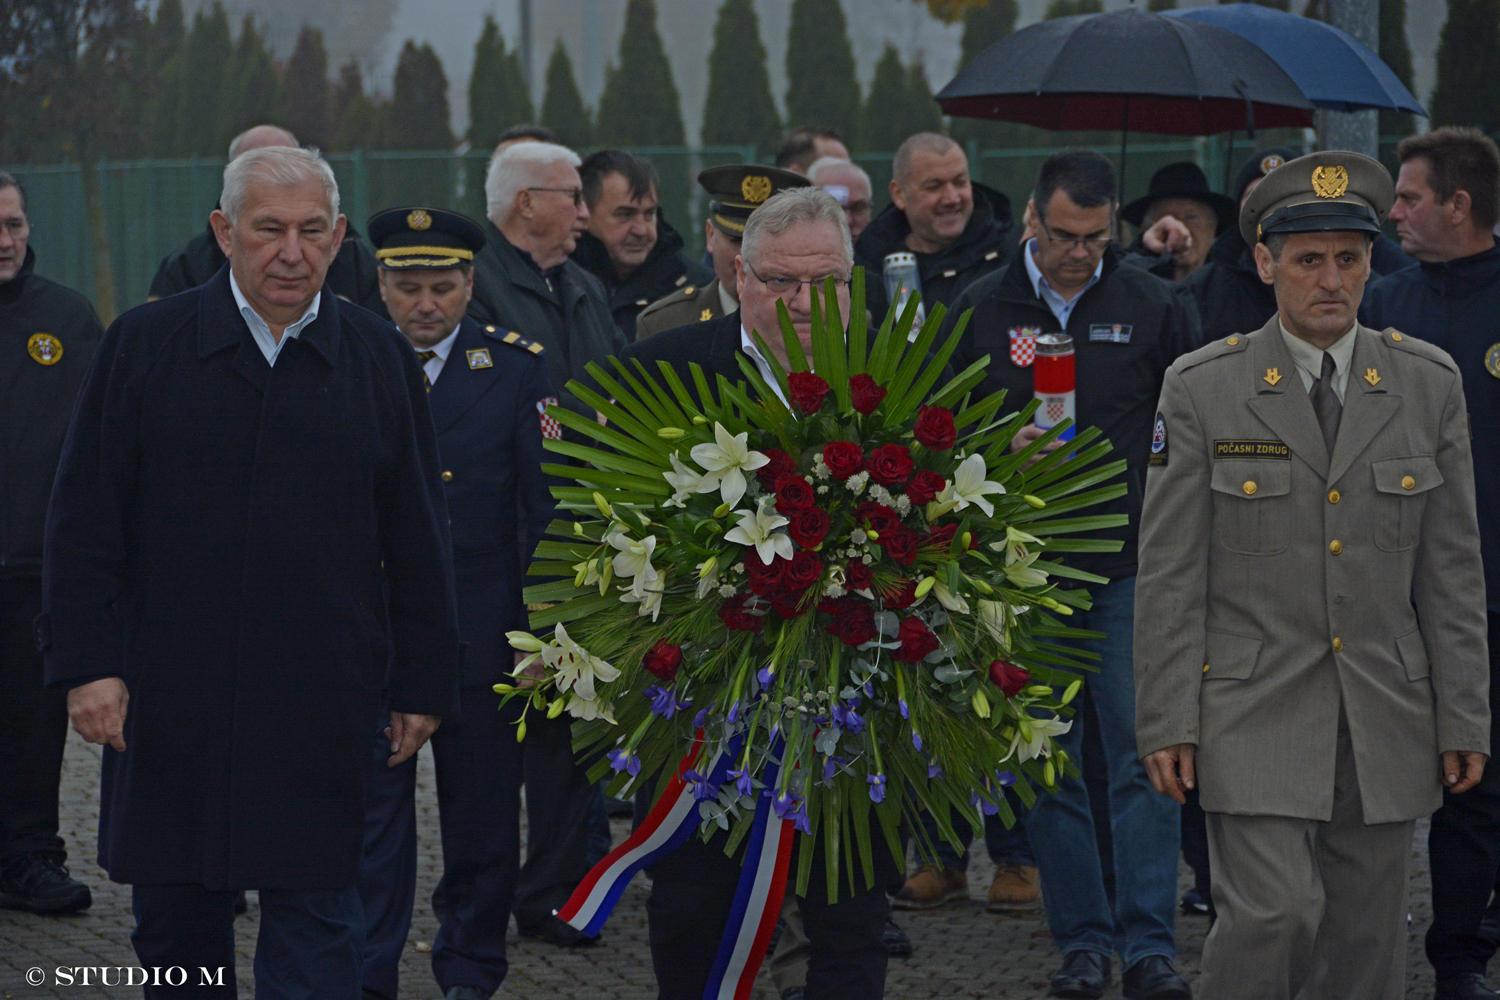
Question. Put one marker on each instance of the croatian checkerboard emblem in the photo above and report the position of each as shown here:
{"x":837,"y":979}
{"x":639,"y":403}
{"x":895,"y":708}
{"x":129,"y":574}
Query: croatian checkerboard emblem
{"x":551,"y":429}
{"x":1023,"y":345}
{"x":1159,"y":441}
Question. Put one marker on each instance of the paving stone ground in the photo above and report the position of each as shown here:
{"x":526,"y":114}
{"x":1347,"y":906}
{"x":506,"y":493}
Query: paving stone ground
{"x":961,"y":950}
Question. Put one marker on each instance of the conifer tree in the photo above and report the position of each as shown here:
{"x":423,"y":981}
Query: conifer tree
{"x":822,"y":89}
{"x":419,"y":116}
{"x":201,"y":78}
{"x":305,"y":95}
{"x":498,"y":97}
{"x":358,"y":120}
{"x":882,"y":120}
{"x":1395,"y":52}
{"x":640,"y":106}
{"x":1069,"y":8}
{"x":160,"y":57}
{"x":1468,"y":88}
{"x":739,"y":109}
{"x":563,"y":110}
{"x":250,"y":96}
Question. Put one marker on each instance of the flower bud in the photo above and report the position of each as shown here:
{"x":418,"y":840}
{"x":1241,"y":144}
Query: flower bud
{"x":1036,"y":502}
{"x":555,"y":709}
{"x":521,"y":731}
{"x":981,"y":704}
{"x":670,"y":433}
{"x":707,"y":566}
{"x":699,"y":419}
{"x":925,"y":586}
{"x":603,"y":505}
{"x":722,"y":510}
{"x":524,"y":641}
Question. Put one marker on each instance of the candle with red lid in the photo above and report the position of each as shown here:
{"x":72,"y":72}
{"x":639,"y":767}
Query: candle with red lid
{"x":1053,"y":382}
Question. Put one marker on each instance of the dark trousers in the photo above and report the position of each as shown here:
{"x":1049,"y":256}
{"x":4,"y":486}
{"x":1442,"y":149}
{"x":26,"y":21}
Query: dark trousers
{"x":480,"y":770}
{"x":308,"y":948}
{"x":34,"y":722}
{"x":691,"y":895}
{"x":1464,"y":848}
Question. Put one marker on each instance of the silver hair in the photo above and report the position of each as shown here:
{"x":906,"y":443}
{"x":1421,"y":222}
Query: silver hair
{"x":517,"y":168}
{"x":283,"y":165}
{"x":826,"y":163}
{"x":921,"y":142}
{"x":792,"y":207}
{"x":237,"y":144}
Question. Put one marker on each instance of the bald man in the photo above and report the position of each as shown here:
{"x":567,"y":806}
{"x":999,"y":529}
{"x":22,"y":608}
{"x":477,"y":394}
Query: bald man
{"x":352,"y":277}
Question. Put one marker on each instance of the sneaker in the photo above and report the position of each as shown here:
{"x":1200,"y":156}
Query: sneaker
{"x":1016,"y":887}
{"x":1195,"y":902}
{"x":39,"y":883}
{"x":931,"y":886}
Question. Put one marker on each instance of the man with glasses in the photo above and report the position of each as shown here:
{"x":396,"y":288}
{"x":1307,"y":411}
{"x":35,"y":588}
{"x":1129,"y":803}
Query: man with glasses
{"x":524,"y":279}
{"x":1127,"y":327}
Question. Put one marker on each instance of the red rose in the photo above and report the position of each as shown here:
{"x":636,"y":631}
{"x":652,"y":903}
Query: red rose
{"x":780,"y":464}
{"x":857,"y":576}
{"x":877,"y":517}
{"x":855,"y":626}
{"x":734,"y":615}
{"x":940,"y":538}
{"x":792,"y":493}
{"x":808,"y":526}
{"x":935,"y":428}
{"x":786,"y":603}
{"x":901,"y":544}
{"x":808,"y":390}
{"x":924,"y":487}
{"x":763,"y":578}
{"x":916,"y":640}
{"x":838,"y":605}
{"x":843,"y":458}
{"x":1009,"y":678}
{"x":867,"y":395}
{"x":899,"y":593}
{"x":890,"y":464}
{"x":803,"y":572}
{"x":663,"y":660}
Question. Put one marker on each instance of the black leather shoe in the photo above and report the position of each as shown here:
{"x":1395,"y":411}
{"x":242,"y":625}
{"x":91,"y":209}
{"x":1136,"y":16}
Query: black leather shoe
{"x":1083,"y":976}
{"x":794,"y":993}
{"x":39,"y":883}
{"x":1472,"y":986}
{"x":555,"y":931}
{"x":1154,"y":978}
{"x":897,"y":944}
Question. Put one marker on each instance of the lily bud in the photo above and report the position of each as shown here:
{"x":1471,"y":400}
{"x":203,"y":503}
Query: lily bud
{"x":1038,"y":690}
{"x":968,"y":539}
{"x":504,"y":688}
{"x":707,"y":566}
{"x":981,"y":586}
{"x":873,"y":536}
{"x":722,"y":510}
{"x":603,"y":505}
{"x":1049,"y":774}
{"x":555,"y":709}
{"x":524,"y":641}
{"x":981,"y":704}
{"x":521,"y":731}
{"x":699,"y":419}
{"x":1036,"y":502}
{"x":578,"y":529}
{"x":926,"y":585}
{"x":670,"y":433}
{"x":1072,"y":691}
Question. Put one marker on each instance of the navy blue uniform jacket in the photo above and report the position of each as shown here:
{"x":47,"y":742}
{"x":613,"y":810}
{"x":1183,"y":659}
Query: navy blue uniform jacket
{"x":490,"y":438}
{"x":220,"y":536}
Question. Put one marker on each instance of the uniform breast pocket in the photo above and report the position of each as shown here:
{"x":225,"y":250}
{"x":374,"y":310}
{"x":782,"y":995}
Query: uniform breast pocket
{"x":1401,"y":488}
{"x":1251,"y":505}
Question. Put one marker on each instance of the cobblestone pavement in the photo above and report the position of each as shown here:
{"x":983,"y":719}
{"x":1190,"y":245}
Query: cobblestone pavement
{"x":961,"y":950}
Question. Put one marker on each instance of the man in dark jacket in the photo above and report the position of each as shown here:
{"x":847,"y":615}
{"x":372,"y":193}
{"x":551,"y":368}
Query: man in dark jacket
{"x":49,"y":335}
{"x":247,"y":559}
{"x":351,"y":276}
{"x":1447,"y":204}
{"x":1127,"y":327}
{"x":524,"y":279}
{"x":628,"y":246}
{"x":959,"y":230}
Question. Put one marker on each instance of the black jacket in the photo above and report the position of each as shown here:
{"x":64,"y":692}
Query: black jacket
{"x":566,"y":311}
{"x":987,"y":244}
{"x":664,"y":270}
{"x":36,"y":400}
{"x":352,"y":275}
{"x":1127,"y":329}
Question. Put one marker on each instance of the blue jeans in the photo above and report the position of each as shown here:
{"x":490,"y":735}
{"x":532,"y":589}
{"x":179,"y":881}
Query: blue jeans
{"x":1146,"y":826}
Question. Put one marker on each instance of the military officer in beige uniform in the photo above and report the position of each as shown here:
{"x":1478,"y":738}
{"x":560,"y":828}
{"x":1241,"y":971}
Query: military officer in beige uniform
{"x":1310,"y":501}
{"x":737,"y":189}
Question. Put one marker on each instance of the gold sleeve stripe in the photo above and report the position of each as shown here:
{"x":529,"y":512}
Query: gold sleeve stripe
{"x":390,"y":252}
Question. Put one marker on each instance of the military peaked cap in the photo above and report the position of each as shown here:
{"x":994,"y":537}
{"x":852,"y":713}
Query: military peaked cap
{"x":738,"y":189}
{"x":424,"y":239}
{"x":1333,"y":191}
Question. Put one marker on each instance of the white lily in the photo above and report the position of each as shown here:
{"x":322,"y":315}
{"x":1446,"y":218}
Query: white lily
{"x":969,"y":486}
{"x":1041,"y":732}
{"x":948,"y":599}
{"x":649,"y":600}
{"x":587,"y":708}
{"x":730,"y":458}
{"x":1023,"y":574}
{"x":1014,"y":545}
{"x":992,"y":616}
{"x":756,"y":528}
{"x":687,"y":482}
{"x":574,"y":667}
{"x":634,"y":559}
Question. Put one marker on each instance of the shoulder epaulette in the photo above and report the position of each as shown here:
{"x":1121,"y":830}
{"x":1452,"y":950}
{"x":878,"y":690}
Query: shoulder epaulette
{"x":1233,"y":344}
{"x":1414,"y":345}
{"x":515,"y":340}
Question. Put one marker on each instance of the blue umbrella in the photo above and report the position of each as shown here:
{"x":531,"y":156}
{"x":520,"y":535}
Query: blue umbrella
{"x":1332,"y":68}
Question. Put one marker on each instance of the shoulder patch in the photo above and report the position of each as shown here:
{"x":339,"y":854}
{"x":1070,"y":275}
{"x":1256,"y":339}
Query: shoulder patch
{"x":1159,"y":441}
{"x":681,"y":280}
{"x":1421,"y":348}
{"x":516,"y":340}
{"x":1220,"y":348}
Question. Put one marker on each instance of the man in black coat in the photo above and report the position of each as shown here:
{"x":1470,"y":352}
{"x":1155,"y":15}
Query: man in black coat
{"x":959,"y":230}
{"x":247,"y":559}
{"x":49,"y":334}
{"x":636,"y":255}
{"x":351,"y":276}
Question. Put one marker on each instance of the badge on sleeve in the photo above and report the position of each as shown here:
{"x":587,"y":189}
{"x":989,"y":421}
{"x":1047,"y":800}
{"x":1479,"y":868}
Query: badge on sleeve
{"x":1492,"y":360}
{"x":44,"y":349}
{"x":1159,"y":441}
{"x":551,"y":429}
{"x":1023,"y":345}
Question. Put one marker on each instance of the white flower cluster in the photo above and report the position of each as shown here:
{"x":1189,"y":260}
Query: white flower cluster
{"x":574,"y":669}
{"x":856,"y":483}
{"x":820,"y":470}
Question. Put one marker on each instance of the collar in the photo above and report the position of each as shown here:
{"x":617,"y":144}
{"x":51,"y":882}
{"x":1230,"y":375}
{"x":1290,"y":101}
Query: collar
{"x":1039,"y":283}
{"x":748,"y":345}
{"x":252,"y":317}
{"x":727,"y":302}
{"x":1310,"y":359}
{"x":11,"y":290}
{"x":1457,"y":278}
{"x":444,"y":347}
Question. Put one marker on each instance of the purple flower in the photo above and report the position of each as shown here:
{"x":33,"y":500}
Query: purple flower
{"x":831,"y":766}
{"x":933,"y":771}
{"x":905,"y":711}
{"x":788,"y":806}
{"x":698,"y":719}
{"x":702,"y":787}
{"x":877,"y":787}
{"x":765,"y":676}
{"x":985,"y":806}
{"x":734,"y":712}
{"x":869,"y":689}
{"x":1005,"y":778}
{"x":624,"y":760}
{"x":664,"y":702}
{"x":916,"y":739}
{"x":848,"y":718}
{"x":743,"y":782}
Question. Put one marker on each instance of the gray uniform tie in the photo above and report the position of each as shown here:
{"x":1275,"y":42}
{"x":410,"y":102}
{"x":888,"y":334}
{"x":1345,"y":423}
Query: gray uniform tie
{"x":1326,"y":404}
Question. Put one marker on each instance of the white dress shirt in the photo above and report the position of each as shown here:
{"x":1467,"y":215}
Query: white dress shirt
{"x":434,"y":366}
{"x":1309,"y":359}
{"x":748,"y":345}
{"x":1061,"y":308}
{"x":261,"y":330}
{"x":727,"y":300}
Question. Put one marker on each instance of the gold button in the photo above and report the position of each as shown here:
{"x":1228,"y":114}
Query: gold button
{"x":1338,"y":644}
{"x":1335,"y":546}
{"x":1333,"y":496}
{"x":447,"y":477}
{"x":1232,"y":341}
{"x":1250,"y":488}
{"x":1396,"y":337}
{"x":1407,"y":482}
{"x":489,"y":329}
{"x":1205,"y":668}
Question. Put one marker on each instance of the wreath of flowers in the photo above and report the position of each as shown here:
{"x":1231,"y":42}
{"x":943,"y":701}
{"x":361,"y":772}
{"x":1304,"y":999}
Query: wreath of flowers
{"x":858,"y":583}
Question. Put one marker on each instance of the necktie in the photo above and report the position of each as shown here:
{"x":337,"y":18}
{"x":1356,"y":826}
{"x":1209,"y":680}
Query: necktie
{"x":1326,"y":404}
{"x":427,"y":356}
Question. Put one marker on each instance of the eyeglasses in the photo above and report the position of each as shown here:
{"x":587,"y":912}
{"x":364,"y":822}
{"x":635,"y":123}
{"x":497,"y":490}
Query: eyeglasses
{"x":791,"y":287}
{"x":1092,"y":244}
{"x":575,"y":193}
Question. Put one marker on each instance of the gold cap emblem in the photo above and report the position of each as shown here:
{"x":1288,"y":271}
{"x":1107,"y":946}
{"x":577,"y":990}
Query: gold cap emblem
{"x":44,"y":349}
{"x":1330,"y":181}
{"x":418,"y":220}
{"x":1270,"y":162}
{"x":756,"y":188}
